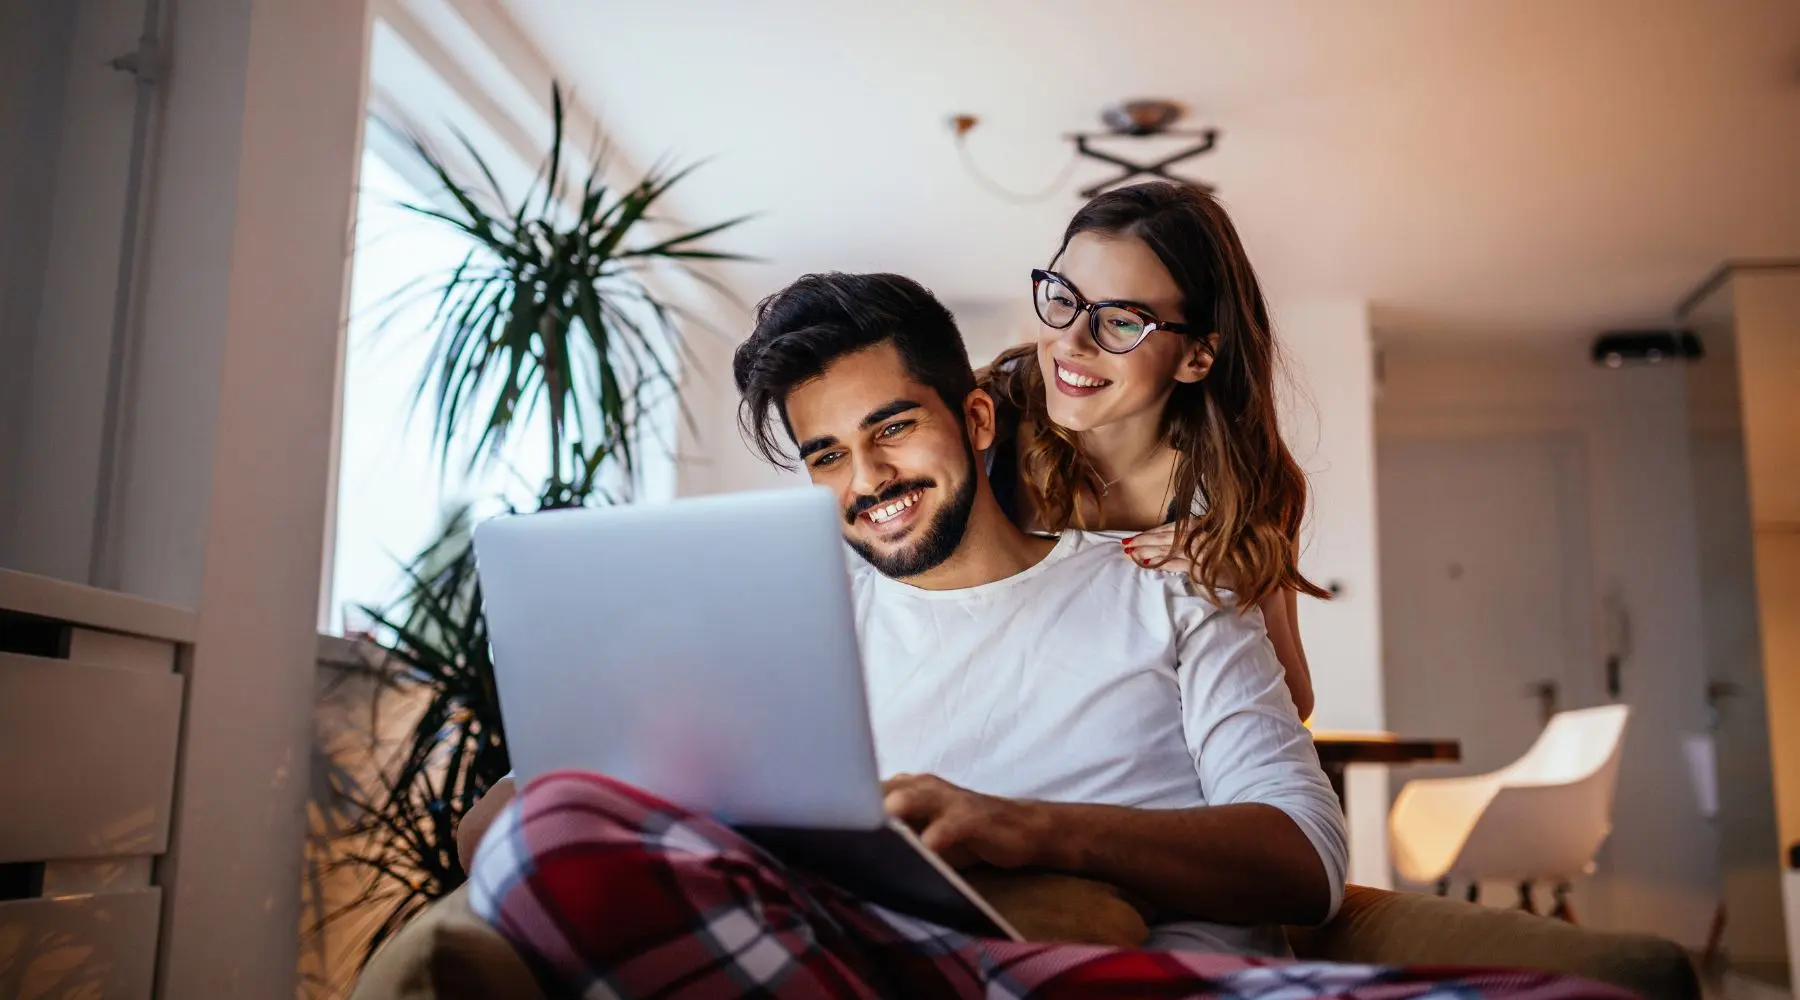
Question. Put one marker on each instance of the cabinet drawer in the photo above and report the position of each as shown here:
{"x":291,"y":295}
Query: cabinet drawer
{"x":100,"y":742}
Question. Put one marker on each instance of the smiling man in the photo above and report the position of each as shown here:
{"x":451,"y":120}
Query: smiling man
{"x":897,"y":534}
{"x":1039,"y":702}
{"x":905,"y":465}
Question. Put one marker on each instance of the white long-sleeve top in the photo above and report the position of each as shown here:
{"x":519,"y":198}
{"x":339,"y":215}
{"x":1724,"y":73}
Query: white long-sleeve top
{"x":1087,"y":678}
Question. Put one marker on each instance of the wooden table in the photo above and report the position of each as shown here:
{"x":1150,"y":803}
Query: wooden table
{"x":1339,"y":750}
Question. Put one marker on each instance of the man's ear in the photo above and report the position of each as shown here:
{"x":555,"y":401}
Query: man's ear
{"x":1197,"y":363}
{"x":980,"y":420}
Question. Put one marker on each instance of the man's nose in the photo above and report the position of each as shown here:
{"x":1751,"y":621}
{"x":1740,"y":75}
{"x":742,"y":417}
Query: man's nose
{"x":870,"y":474}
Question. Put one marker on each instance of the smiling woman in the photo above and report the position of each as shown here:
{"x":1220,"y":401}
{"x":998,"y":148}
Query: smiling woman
{"x":1147,"y":405}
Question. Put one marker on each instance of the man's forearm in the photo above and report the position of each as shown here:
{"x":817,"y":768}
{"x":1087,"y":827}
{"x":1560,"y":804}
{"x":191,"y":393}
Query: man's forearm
{"x":1240,"y":864}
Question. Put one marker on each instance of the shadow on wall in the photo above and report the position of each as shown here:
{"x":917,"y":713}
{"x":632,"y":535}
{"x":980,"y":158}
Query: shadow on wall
{"x":358,"y":721}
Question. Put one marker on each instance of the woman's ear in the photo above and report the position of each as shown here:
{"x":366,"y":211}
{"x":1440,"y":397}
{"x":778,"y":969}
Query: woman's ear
{"x":1197,"y":363}
{"x":980,"y":420}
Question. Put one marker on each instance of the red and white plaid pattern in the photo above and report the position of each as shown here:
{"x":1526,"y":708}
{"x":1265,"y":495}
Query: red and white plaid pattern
{"x":611,"y":892}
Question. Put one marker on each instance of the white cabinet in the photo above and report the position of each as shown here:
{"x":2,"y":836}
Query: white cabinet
{"x":91,"y":694}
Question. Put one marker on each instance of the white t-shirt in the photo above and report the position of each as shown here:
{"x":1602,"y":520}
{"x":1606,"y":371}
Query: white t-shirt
{"x":1086,"y":678}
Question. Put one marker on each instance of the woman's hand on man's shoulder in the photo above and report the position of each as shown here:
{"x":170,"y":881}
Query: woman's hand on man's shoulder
{"x":1158,"y":548}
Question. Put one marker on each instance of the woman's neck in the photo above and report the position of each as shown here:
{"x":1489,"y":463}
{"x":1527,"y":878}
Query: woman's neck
{"x":1118,"y":450}
{"x":1135,"y":462}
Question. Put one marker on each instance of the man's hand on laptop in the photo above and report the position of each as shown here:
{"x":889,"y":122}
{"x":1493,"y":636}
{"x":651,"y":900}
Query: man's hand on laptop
{"x":968,"y":828}
{"x":1241,"y":863}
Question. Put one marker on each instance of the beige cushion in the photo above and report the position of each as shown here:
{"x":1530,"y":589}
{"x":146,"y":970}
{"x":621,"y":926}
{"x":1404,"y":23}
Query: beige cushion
{"x":446,"y":953}
{"x":1391,"y":928}
{"x":1043,"y":906}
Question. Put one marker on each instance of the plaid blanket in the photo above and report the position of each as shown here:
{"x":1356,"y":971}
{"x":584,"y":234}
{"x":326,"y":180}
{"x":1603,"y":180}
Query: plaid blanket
{"x":611,"y":892}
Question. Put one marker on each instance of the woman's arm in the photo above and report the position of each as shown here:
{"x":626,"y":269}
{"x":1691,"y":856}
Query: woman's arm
{"x":1281,"y":617}
{"x":1156,"y":549}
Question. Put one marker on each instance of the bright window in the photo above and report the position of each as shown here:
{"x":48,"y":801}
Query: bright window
{"x":393,"y":492}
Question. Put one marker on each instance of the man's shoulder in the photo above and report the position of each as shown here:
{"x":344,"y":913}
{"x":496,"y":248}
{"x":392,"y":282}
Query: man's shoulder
{"x":1104,"y":552}
{"x":1098,"y":558}
{"x":1093,"y":544}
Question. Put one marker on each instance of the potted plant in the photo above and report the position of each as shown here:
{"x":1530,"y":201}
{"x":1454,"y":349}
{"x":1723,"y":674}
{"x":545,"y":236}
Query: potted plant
{"x":549,"y":312}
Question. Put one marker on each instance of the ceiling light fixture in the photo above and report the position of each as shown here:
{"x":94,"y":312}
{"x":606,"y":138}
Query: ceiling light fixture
{"x":962,"y":125}
{"x":1139,"y":119}
{"x":1619,"y":348}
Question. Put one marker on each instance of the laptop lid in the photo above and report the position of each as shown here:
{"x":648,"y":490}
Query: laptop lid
{"x":703,"y":650}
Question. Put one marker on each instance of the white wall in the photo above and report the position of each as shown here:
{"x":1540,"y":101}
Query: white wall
{"x":34,"y":51}
{"x":711,"y":454}
{"x":991,"y":327}
{"x":1661,"y":864}
{"x":65,"y":192}
{"x":1328,"y":419}
{"x":1328,"y":400}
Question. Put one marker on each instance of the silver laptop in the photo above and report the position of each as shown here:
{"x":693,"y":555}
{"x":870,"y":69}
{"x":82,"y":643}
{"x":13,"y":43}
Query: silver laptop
{"x":705,"y":651}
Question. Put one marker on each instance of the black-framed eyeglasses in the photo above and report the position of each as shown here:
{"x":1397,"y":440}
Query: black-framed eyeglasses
{"x":1117,"y":327}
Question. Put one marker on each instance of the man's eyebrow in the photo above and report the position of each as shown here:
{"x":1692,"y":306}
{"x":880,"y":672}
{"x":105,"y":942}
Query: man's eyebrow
{"x":887,"y":410}
{"x":815,"y":445}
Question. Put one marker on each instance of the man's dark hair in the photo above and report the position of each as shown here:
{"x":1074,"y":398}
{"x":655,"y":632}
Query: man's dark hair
{"x":820,"y":318}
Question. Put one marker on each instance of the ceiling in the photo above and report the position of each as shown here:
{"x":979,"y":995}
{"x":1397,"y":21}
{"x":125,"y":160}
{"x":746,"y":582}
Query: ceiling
{"x":1485,"y":169}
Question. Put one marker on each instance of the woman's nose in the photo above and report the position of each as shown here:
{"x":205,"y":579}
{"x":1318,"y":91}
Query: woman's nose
{"x":1074,"y":338}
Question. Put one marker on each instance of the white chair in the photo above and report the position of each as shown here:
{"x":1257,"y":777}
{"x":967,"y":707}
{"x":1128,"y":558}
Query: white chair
{"x":1541,"y":818}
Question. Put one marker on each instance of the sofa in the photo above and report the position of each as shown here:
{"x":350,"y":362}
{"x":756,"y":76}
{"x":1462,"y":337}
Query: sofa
{"x":447,"y":953}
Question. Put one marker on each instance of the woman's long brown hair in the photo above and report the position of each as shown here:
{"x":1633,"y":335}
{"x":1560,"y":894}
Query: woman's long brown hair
{"x":1248,"y":495}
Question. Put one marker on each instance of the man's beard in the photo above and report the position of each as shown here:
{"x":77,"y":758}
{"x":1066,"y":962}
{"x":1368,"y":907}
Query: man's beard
{"x":937,"y":542}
